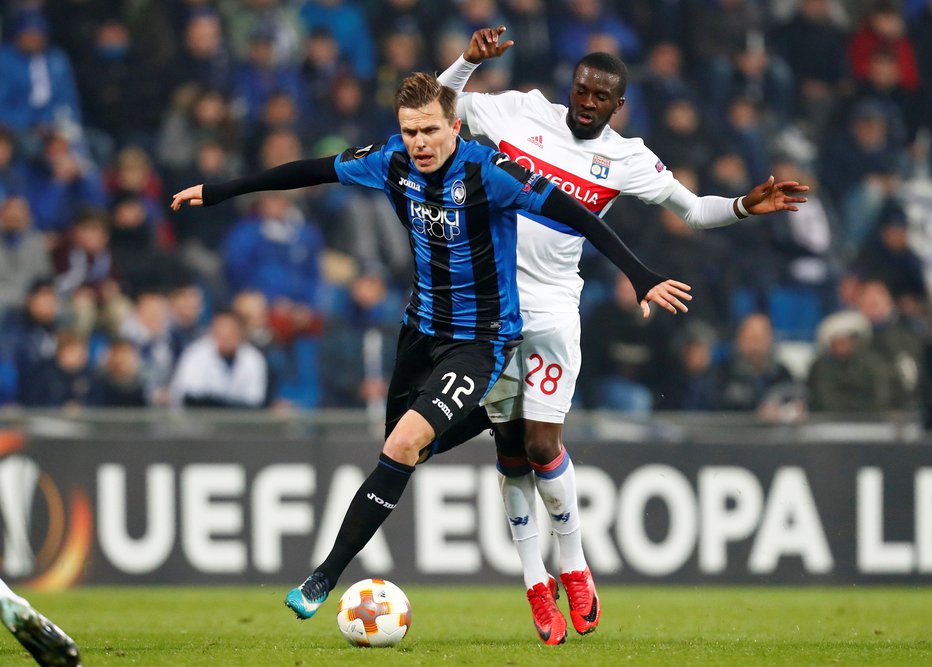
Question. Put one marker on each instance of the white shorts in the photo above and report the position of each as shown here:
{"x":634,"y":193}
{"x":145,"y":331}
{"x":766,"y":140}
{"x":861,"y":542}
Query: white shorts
{"x":540,"y":379}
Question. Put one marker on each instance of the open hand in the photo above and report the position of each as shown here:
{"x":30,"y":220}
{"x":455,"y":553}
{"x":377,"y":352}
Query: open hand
{"x":667,"y":295}
{"x":769,"y":197}
{"x":485,"y":44}
{"x":193,"y":195}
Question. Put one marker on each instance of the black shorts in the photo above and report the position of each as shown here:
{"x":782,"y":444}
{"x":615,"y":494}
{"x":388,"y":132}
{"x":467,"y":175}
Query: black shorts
{"x":441,"y":379}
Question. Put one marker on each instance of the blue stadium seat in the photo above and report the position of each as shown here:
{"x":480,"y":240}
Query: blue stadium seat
{"x":7,"y":381}
{"x":303,"y":388}
{"x":795,"y":313}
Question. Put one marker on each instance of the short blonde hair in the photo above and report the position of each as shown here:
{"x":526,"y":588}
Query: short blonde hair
{"x":420,"y":89}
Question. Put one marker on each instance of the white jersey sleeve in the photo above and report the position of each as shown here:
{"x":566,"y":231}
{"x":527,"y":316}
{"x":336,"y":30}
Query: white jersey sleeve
{"x":488,"y":114}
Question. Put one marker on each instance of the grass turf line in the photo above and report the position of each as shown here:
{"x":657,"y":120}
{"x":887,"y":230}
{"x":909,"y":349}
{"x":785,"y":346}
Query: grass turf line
{"x":458,"y":626}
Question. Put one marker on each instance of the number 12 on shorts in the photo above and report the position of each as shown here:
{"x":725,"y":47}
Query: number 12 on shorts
{"x":552,"y":374}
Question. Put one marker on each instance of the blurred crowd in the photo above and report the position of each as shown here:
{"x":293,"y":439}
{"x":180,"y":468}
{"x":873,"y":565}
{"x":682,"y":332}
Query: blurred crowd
{"x":293,"y":299}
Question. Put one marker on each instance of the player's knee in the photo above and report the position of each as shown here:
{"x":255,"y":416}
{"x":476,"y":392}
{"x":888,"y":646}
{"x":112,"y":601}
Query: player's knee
{"x":541,"y":449}
{"x":401,"y":449}
{"x":509,"y":439}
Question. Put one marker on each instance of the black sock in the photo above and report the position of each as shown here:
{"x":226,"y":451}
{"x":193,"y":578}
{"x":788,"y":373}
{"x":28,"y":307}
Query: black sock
{"x":371,"y":505}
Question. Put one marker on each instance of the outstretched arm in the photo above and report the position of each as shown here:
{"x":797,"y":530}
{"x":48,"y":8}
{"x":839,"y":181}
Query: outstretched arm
{"x":713,"y":211}
{"x":648,"y":286}
{"x":298,"y":174}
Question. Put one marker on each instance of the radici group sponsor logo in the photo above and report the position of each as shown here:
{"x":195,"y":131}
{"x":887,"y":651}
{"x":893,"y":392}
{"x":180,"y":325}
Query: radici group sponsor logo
{"x":47,"y":532}
{"x":435,"y":221}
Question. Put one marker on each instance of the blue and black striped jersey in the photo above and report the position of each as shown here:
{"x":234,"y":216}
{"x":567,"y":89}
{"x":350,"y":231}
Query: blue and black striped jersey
{"x":461,"y":222}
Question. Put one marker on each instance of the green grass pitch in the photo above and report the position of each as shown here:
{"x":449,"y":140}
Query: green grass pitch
{"x":459,"y":626}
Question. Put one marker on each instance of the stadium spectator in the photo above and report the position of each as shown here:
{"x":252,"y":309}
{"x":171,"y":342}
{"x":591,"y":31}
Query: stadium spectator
{"x":321,"y":65}
{"x":757,"y":74}
{"x":893,"y":340}
{"x":921,"y":35}
{"x":132,"y":241}
{"x":275,"y":18}
{"x":120,"y":103}
{"x":195,"y":115}
{"x":85,"y":277}
{"x":132,"y":174}
{"x":886,"y":256}
{"x":221,"y":369}
{"x":24,"y":255}
{"x":883,"y":28}
{"x":118,"y":383}
{"x":37,"y":87}
{"x":688,"y":381}
{"x":846,"y":375}
{"x":902,"y":107}
{"x":65,"y":381}
{"x":403,"y":52}
{"x":204,"y":58}
{"x":351,"y":114}
{"x":859,"y":170}
{"x":148,"y":327}
{"x":805,"y":241}
{"x":279,"y":113}
{"x":357,"y":342}
{"x":719,"y":30}
{"x":261,"y":75}
{"x":283,"y":370}
{"x":59,"y":182}
{"x":275,"y":250}
{"x":662,"y":79}
{"x":420,"y":17}
{"x":702,"y":258}
{"x":203,"y":236}
{"x":582,"y":19}
{"x":12,"y":178}
{"x":30,"y":334}
{"x":745,"y":132}
{"x":681,"y":137}
{"x":347,"y":22}
{"x":528,"y":23}
{"x":186,"y":306}
{"x":812,"y":43}
{"x":622,"y":353}
{"x":751,"y":378}
{"x":471,"y":15}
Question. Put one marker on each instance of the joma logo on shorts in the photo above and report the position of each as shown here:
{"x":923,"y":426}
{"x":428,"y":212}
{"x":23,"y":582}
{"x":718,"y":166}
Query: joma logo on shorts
{"x":376,"y":499}
{"x":443,"y":406}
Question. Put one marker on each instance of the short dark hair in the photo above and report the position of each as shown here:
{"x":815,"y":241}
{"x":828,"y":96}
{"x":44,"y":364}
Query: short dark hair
{"x":420,"y":89}
{"x":608,"y":63}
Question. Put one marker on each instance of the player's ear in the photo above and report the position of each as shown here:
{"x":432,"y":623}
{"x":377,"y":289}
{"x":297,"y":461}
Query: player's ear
{"x":621,"y":103}
{"x":457,"y":125}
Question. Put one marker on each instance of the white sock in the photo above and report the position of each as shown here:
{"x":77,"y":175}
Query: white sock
{"x":6,"y":592}
{"x":518,"y":496}
{"x":556,"y":483}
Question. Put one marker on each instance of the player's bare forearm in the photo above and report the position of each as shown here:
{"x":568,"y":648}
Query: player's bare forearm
{"x":485,"y":44}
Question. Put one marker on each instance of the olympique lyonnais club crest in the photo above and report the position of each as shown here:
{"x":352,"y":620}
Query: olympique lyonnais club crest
{"x":458,"y":192}
{"x":600,"y":166}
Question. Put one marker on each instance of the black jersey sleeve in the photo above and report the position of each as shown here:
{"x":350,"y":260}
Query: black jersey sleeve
{"x":297,"y":174}
{"x":561,"y":207}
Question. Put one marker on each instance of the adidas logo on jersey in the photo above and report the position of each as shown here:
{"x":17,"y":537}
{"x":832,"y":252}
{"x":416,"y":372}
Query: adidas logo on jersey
{"x":537,"y":140}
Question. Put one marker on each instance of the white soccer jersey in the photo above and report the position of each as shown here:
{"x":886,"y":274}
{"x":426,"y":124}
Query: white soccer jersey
{"x":533,"y":132}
